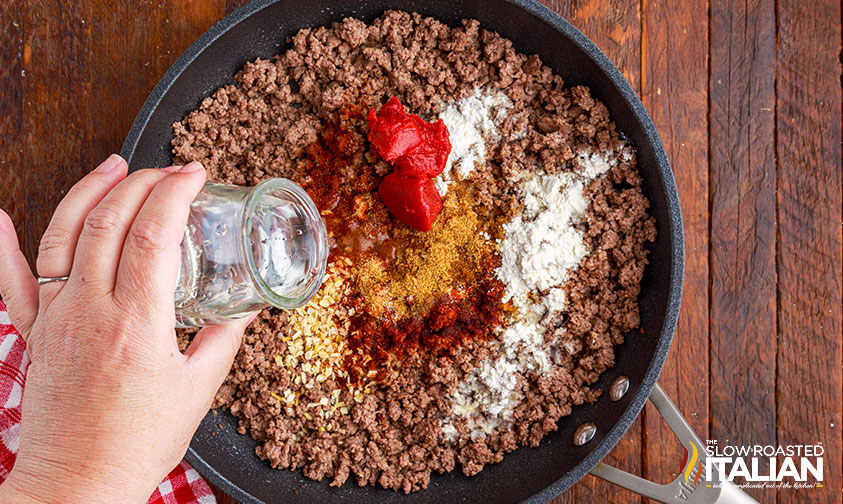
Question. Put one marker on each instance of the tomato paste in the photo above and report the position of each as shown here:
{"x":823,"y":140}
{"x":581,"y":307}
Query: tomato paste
{"x":418,"y":151}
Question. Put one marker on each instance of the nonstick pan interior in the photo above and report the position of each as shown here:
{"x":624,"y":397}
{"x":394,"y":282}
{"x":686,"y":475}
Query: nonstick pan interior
{"x":258,"y":30}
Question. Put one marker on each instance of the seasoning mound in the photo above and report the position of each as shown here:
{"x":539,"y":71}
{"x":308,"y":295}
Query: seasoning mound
{"x":430,"y":265}
{"x":426,"y":351}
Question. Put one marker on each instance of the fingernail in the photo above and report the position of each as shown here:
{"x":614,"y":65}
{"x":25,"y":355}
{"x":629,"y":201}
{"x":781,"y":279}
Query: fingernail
{"x":191,"y":167}
{"x":172,"y":169}
{"x":6,"y":223}
{"x":109,"y":164}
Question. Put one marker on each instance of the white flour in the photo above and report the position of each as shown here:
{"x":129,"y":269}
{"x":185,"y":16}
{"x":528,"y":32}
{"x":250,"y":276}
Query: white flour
{"x":541,"y":247}
{"x":470,"y":122}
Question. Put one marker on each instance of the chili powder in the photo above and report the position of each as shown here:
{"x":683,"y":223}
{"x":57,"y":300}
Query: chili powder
{"x":341,"y":183}
{"x":464,"y":314}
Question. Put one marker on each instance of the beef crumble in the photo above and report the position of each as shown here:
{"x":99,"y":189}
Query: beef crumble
{"x":267,"y":124}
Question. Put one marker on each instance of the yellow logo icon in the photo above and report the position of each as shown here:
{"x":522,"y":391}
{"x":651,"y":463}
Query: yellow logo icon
{"x":692,"y":462}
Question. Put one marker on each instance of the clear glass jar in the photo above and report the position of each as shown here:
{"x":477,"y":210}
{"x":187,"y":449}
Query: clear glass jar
{"x":249,"y":248}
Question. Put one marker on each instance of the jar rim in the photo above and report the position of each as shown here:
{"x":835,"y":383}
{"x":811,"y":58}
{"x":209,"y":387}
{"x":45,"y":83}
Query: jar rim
{"x":253,"y":198}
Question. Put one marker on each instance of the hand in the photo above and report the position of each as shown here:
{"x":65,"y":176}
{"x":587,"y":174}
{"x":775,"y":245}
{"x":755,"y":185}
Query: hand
{"x":110,"y":404}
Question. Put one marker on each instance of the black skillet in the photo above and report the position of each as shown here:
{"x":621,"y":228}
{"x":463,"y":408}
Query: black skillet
{"x":258,"y":30}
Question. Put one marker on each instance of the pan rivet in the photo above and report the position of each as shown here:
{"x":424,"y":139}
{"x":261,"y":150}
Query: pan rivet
{"x":618,"y":388}
{"x":584,"y":433}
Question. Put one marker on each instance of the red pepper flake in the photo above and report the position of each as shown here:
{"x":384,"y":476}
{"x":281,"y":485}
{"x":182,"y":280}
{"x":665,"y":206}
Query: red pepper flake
{"x":461,"y":316}
{"x":324,"y":160}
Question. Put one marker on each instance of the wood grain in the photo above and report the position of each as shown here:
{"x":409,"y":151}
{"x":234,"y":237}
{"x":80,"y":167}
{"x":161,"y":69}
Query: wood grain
{"x":755,"y":145}
{"x":743,"y":224}
{"x":89,"y":67}
{"x":616,"y":29}
{"x":123,"y":57}
{"x":132,"y":50}
{"x":233,"y":5}
{"x":674,"y":84}
{"x":13,"y":189}
{"x":809,"y":385}
{"x":57,"y":91}
{"x":564,"y":7}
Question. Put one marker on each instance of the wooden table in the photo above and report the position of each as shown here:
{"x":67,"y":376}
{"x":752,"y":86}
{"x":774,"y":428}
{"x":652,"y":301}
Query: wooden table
{"x":746,"y":96}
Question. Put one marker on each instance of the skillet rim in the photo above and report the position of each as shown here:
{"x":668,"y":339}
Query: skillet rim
{"x":607,"y":443}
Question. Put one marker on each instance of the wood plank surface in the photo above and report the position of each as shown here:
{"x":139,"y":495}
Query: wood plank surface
{"x":565,"y":8}
{"x":132,"y":52}
{"x":809,"y":385}
{"x":89,"y":66}
{"x":56,"y":94}
{"x":12,"y":188}
{"x":674,"y":84}
{"x":747,"y":98}
{"x":743,"y":225}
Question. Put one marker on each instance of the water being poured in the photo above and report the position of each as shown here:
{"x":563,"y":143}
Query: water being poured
{"x":282,"y":235}
{"x":247,"y":249}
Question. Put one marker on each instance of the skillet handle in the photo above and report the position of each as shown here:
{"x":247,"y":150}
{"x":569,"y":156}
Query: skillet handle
{"x":691,"y":485}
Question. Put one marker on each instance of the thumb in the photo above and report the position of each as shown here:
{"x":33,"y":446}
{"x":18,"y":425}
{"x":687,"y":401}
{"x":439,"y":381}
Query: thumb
{"x":18,"y":287}
{"x":212,"y":352}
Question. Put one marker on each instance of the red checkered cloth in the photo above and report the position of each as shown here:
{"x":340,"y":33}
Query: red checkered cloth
{"x":182,"y":486}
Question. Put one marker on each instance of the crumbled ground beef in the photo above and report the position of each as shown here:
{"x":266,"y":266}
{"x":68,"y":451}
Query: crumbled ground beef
{"x":260,"y":127}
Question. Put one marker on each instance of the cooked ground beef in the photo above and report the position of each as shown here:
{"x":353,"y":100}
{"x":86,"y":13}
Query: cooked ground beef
{"x":262,"y":126}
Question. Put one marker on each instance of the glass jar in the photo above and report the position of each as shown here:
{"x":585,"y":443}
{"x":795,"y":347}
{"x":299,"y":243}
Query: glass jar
{"x":246,"y":248}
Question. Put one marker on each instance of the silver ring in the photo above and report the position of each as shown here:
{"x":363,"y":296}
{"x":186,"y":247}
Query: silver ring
{"x":44,"y":280}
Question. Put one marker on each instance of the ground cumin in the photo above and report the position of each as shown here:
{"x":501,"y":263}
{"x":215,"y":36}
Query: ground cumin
{"x":429,"y":265}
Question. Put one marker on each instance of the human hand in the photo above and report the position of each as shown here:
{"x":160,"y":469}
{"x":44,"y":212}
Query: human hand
{"x":110,"y":403}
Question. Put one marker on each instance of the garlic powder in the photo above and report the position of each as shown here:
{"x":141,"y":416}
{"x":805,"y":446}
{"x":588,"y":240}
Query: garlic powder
{"x":470,"y":121}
